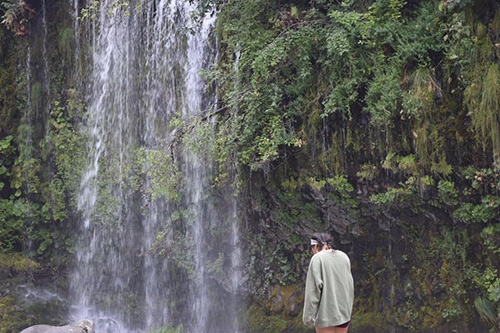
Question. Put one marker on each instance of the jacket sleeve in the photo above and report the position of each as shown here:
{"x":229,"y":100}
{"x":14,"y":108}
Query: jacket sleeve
{"x":314,"y":285}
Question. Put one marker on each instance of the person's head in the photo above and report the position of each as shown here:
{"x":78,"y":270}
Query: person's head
{"x":320,"y":241}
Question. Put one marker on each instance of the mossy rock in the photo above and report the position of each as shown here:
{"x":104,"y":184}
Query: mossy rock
{"x":286,"y":300}
{"x":280,"y":312}
{"x":17,"y":263}
{"x":11,"y":319}
{"x":369,"y":322}
{"x":15,"y":316}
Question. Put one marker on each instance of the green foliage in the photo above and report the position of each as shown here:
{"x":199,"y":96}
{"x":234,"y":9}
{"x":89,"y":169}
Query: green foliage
{"x":295,"y":210}
{"x":490,"y":235}
{"x":91,"y":11}
{"x":279,"y":66}
{"x":341,"y":185}
{"x":447,"y":192}
{"x":487,"y":118}
{"x":488,"y":279}
{"x":15,"y":211}
{"x":483,"y":101}
{"x":390,"y":161}
{"x":373,"y":321}
{"x":13,"y":214}
{"x":67,"y":145}
{"x":159,"y":166}
{"x":16,"y":316}
{"x":483,"y":212}
{"x":434,"y":289}
{"x":6,"y":155}
{"x":289,"y":184}
{"x":317,"y":184}
{"x":16,"y":15}
{"x":8,"y":94}
{"x":11,"y":320}
{"x":275,"y":311}
{"x":305,"y":75}
{"x":442,"y":168}
{"x":114,"y":7}
{"x":16,"y":262}
{"x":393,"y":195}
{"x":383,"y":96}
{"x":260,"y":322}
{"x":34,"y":200}
{"x":393,"y":70}
{"x":66,"y":44}
{"x":367,"y":172}
{"x":407,"y":164}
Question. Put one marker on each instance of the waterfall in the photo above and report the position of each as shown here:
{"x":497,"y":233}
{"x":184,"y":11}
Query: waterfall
{"x":27,"y":131}
{"x":46,"y":69}
{"x":37,"y":108}
{"x":145,"y":75}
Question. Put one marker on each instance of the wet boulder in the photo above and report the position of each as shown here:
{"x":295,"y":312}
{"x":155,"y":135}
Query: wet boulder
{"x":82,"y":326}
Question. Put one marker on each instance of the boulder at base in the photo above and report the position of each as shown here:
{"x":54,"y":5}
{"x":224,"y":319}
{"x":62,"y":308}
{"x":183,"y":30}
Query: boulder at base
{"x":82,"y":326}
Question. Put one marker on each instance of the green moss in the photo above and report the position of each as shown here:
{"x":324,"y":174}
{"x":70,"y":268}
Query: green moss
{"x":66,"y":44}
{"x":295,"y":209}
{"x":36,"y":97}
{"x":332,"y":160}
{"x":280,"y":312}
{"x":11,"y":319}
{"x":373,"y":321}
{"x":486,"y":119}
{"x":9,"y":110}
{"x":18,"y":263}
{"x":259,"y":321}
{"x":15,"y":316}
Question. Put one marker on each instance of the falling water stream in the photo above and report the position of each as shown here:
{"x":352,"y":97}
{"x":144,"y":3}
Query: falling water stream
{"x":37,"y":106}
{"x":145,"y":72}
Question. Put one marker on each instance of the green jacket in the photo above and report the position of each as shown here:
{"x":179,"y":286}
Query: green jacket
{"x":329,"y":290}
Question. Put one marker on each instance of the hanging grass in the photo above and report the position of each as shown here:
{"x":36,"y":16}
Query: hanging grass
{"x":424,"y":87}
{"x":66,"y":44}
{"x":487,"y":311}
{"x":495,"y":26}
{"x":486,"y":119}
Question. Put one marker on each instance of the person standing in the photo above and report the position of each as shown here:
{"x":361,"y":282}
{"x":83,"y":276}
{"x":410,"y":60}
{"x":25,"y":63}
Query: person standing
{"x":329,"y":293}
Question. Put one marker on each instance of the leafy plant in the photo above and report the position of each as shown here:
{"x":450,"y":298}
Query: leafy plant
{"x":341,"y":185}
{"x":367,"y":172}
{"x":16,"y":15}
{"x":490,"y":235}
{"x":483,"y":212}
{"x":392,"y":196}
{"x":447,"y":192}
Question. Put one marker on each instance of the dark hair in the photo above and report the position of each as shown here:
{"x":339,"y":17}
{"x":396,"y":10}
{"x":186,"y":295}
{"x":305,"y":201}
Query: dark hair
{"x":323,"y":239}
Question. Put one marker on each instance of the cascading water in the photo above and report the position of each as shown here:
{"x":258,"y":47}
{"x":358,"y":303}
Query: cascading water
{"x":46,"y":69}
{"x":145,"y":69}
{"x":27,"y":121}
{"x":37,"y":106}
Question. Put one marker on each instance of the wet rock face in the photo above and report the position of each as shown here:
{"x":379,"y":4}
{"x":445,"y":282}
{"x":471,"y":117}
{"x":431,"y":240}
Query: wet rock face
{"x":82,"y":326}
